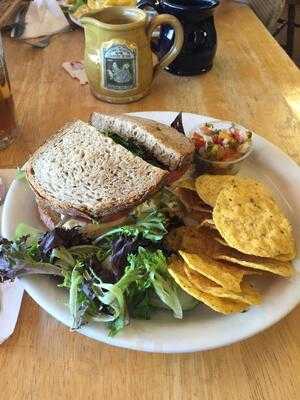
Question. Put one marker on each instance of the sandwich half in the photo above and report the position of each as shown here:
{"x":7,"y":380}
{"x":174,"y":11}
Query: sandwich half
{"x":157,"y":143}
{"x":88,"y":173}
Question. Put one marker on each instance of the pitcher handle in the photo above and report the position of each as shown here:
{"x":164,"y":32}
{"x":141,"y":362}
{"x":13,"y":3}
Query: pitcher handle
{"x":178,"y":41}
{"x":151,"y":3}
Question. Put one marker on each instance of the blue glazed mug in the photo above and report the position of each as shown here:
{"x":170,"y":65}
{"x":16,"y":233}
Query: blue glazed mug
{"x":200,"y":37}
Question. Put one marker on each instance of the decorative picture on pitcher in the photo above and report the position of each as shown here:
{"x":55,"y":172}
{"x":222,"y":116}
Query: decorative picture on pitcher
{"x":119,"y":66}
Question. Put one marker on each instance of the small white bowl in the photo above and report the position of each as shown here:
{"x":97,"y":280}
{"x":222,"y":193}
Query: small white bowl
{"x":232,"y":167}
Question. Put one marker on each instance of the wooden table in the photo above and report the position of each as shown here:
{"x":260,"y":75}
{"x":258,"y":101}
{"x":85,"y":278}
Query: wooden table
{"x":254,"y":83}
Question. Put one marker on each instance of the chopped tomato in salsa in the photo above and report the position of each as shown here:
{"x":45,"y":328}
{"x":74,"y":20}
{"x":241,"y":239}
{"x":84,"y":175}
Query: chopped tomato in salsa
{"x":221,"y":144}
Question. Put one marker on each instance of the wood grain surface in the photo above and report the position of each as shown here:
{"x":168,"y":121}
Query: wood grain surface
{"x":253,"y":83}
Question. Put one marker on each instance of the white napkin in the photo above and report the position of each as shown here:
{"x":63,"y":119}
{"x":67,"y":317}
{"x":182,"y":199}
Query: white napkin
{"x":44,"y":17}
{"x":10,"y":293}
{"x":10,"y":299}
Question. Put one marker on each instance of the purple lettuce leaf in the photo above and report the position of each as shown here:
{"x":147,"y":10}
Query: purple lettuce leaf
{"x":60,"y":237}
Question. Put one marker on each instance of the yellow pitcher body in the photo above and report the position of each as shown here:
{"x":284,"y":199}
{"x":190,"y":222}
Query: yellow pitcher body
{"x":118,"y":57}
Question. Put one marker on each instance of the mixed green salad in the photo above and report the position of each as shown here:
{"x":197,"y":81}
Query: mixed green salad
{"x":110,"y":277}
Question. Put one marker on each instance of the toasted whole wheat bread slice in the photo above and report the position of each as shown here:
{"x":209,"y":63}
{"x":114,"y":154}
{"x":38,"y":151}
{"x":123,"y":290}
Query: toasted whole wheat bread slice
{"x":82,"y":173}
{"x":167,"y":145}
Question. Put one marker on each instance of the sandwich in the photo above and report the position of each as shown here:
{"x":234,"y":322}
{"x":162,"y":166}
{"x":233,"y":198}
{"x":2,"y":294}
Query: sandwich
{"x":100,"y":171}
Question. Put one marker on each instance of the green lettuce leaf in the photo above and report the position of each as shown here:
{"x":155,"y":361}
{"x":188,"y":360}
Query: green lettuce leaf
{"x":78,"y":303}
{"x":152,"y":270}
{"x":27,"y":230}
{"x":151,"y":225}
{"x":20,"y":174}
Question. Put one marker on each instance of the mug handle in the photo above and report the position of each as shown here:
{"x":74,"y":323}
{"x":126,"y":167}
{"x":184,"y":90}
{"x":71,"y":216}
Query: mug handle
{"x":178,"y":41}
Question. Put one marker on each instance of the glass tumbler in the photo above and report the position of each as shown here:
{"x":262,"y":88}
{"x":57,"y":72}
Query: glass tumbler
{"x":8,"y":124}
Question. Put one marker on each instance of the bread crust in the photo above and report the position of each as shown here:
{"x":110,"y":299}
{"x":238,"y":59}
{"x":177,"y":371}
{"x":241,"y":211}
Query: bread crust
{"x":170,"y":147}
{"x":49,"y":217}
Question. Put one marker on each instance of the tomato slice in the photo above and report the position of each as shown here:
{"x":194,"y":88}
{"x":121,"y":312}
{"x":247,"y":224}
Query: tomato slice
{"x":175,"y":175}
{"x":198,"y":140}
{"x":115,"y":216}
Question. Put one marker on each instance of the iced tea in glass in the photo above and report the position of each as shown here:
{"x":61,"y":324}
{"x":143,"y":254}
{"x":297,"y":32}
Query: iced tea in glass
{"x":8,"y":125}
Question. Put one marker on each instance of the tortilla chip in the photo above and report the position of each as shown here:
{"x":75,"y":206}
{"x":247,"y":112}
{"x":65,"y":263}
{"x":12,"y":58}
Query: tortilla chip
{"x":224,"y":274}
{"x":191,"y":200}
{"x":208,"y":223}
{"x":275,"y":266}
{"x":195,"y":218}
{"x":187,"y":183}
{"x":281,"y":268}
{"x":174,"y":238}
{"x":250,"y":221}
{"x":284,"y":257}
{"x":247,"y":295}
{"x":203,"y":241}
{"x":224,"y":306}
{"x":209,"y":186}
{"x":192,"y":239}
{"x":220,"y":240}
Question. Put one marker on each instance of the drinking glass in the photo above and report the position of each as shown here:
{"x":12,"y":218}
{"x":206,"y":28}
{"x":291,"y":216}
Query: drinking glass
{"x":8,"y":125}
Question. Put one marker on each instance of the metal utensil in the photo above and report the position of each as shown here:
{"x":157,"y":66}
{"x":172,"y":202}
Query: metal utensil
{"x":44,"y":41}
{"x":19,"y":24}
{"x":40,"y":43}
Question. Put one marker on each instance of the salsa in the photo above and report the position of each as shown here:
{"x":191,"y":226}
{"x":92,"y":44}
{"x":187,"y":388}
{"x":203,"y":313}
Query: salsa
{"x":221,"y":144}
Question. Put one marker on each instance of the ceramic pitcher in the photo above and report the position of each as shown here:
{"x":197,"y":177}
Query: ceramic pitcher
{"x":200,"y":37}
{"x":118,"y":57}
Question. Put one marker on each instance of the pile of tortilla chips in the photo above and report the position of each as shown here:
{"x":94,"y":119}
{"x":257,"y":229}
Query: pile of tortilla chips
{"x":234,"y":230}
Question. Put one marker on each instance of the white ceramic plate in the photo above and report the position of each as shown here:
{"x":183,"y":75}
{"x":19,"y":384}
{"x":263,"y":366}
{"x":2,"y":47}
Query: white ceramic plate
{"x":201,"y":329}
